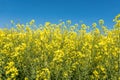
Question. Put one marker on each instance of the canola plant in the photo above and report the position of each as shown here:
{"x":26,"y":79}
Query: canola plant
{"x":60,"y":51}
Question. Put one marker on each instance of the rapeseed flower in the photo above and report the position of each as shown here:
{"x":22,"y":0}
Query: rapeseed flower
{"x":60,"y":51}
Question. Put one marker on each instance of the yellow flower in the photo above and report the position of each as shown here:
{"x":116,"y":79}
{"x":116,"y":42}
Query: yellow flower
{"x":23,"y":45}
{"x":80,"y":54}
{"x":95,"y":73}
{"x":94,"y":25}
{"x":9,"y":78}
{"x":58,"y":55}
{"x":11,"y":63}
{"x":47,"y":24}
{"x":117,"y":17}
{"x":102,"y":69}
{"x":59,"y":51}
{"x":97,"y":31}
{"x":11,"y":70}
{"x":65,"y":74}
{"x":83,"y":26}
{"x":28,"y":28}
{"x":68,"y":22}
{"x":102,"y":43}
{"x":114,"y":54}
{"x":43,"y":74}
{"x":101,"y":22}
{"x":26,"y":78}
{"x":18,"y":26}
{"x":32,"y":22}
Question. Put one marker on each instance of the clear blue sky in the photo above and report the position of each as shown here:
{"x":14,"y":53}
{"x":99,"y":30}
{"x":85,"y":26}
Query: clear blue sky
{"x":53,"y":10}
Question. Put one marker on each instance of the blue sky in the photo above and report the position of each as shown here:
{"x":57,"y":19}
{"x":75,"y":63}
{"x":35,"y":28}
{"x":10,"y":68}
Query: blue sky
{"x":88,"y":11}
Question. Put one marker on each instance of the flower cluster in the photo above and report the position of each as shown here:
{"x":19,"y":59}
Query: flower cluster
{"x":60,"y":51}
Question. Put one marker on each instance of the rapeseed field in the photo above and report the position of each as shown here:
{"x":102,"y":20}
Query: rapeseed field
{"x":60,"y":51}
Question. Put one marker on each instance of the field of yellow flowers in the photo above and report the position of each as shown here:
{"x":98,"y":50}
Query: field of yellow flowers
{"x":60,"y":52}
